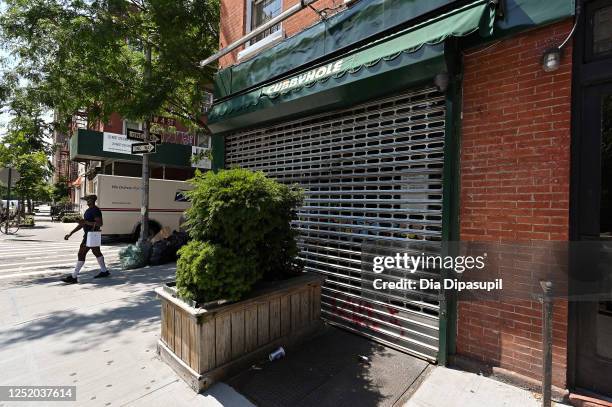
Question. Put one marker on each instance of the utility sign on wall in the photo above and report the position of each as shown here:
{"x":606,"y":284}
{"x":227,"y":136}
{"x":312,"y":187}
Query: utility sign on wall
{"x":143,"y":148}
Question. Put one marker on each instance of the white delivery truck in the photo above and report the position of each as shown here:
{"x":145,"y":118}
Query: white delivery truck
{"x":119,"y":198}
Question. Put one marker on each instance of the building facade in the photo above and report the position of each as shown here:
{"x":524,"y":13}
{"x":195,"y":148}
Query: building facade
{"x":84,"y":153}
{"x":413,"y":123}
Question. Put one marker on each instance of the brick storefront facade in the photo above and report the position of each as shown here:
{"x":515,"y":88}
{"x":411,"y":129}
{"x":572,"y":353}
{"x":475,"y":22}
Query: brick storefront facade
{"x":515,"y":169}
{"x":514,"y":174}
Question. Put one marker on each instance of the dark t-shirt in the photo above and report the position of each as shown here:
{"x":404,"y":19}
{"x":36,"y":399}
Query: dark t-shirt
{"x":90,"y":215}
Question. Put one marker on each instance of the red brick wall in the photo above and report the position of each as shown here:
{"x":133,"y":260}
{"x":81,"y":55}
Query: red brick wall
{"x":306,"y":17}
{"x":233,"y":16}
{"x":515,"y":154}
{"x":233,"y":22}
{"x":114,"y":124}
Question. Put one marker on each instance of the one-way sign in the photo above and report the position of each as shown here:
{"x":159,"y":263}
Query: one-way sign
{"x":143,"y":148}
{"x":138,"y":135}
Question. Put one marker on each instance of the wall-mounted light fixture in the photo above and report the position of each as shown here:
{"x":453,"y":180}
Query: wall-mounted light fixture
{"x":551,"y":59}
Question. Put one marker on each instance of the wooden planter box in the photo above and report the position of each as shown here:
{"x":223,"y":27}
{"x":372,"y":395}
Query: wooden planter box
{"x":207,"y":345}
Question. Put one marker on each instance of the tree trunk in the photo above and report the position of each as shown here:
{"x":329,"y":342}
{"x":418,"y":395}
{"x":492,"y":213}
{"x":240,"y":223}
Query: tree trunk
{"x":21,"y":207}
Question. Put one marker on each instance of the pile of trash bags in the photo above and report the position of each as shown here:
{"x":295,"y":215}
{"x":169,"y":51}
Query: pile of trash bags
{"x":164,"y":246}
{"x":132,"y":257}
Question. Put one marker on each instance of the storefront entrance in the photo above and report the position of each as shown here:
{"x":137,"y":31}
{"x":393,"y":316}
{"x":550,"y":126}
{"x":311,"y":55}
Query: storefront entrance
{"x":372,"y":175}
{"x":591,"y":216}
{"x":594,"y":318}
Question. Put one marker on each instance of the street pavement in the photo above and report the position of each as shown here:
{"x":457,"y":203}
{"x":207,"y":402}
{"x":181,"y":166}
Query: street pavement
{"x":26,"y":259}
{"x":42,"y":251}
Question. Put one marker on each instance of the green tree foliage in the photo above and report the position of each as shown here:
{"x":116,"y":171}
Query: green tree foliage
{"x":33,"y":168}
{"x":88,"y":55}
{"x":25,"y":146}
{"x":60,"y":191}
{"x":240,"y":225}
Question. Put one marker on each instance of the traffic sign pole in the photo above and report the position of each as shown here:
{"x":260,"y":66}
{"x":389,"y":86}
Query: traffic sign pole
{"x":144,"y":210}
{"x":8,"y":200}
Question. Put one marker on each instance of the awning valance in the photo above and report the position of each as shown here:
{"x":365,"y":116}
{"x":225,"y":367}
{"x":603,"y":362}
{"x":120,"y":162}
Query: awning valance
{"x":410,"y":56}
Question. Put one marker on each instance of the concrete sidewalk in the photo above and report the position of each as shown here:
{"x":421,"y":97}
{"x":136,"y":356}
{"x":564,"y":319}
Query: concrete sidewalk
{"x":99,"y":335}
{"x":44,"y":230}
{"x":455,"y":388}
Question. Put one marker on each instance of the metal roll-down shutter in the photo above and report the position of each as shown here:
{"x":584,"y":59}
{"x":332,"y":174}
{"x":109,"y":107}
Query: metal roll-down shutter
{"x":372,"y":174}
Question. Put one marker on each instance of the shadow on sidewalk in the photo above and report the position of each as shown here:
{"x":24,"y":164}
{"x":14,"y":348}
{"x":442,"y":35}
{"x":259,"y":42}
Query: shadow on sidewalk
{"x":140,"y":312}
{"x":327,"y":371}
{"x":141,"y":309}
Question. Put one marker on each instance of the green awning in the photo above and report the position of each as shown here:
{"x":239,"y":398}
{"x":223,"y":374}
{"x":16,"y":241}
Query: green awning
{"x":363,"y":20}
{"x":407,"y":57}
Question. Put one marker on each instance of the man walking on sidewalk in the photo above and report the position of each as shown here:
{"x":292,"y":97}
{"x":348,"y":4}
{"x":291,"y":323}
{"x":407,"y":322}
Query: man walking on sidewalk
{"x":92,"y":221}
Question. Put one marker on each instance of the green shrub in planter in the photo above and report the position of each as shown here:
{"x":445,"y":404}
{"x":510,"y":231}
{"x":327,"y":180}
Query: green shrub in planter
{"x":243,"y":219}
{"x":211,"y":272}
{"x":71,"y":218}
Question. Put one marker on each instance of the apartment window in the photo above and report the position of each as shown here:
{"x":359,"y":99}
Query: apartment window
{"x":262,"y":11}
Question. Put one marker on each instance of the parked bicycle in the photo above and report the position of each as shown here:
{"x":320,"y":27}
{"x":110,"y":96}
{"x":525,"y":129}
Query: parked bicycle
{"x":10,"y":221}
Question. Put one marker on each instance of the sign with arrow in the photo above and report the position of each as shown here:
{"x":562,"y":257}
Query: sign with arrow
{"x":138,"y":135}
{"x":143,"y":148}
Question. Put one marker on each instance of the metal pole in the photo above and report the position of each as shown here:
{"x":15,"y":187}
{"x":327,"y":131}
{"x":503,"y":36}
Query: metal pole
{"x":279,"y":18}
{"x":8,"y":201}
{"x":144,"y":210}
{"x":547,"y":313}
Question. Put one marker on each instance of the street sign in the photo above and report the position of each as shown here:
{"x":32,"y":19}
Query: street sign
{"x":143,"y":148}
{"x":138,"y":135}
{"x":15,"y":176}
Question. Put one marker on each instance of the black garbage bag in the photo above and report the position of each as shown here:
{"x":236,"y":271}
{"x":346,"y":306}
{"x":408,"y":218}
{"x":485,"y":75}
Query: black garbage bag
{"x":177,"y":240}
{"x":161,"y":253}
{"x":164,"y":251}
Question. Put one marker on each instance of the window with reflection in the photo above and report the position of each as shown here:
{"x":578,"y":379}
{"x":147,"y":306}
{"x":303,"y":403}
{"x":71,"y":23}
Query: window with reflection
{"x":263,"y":11}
